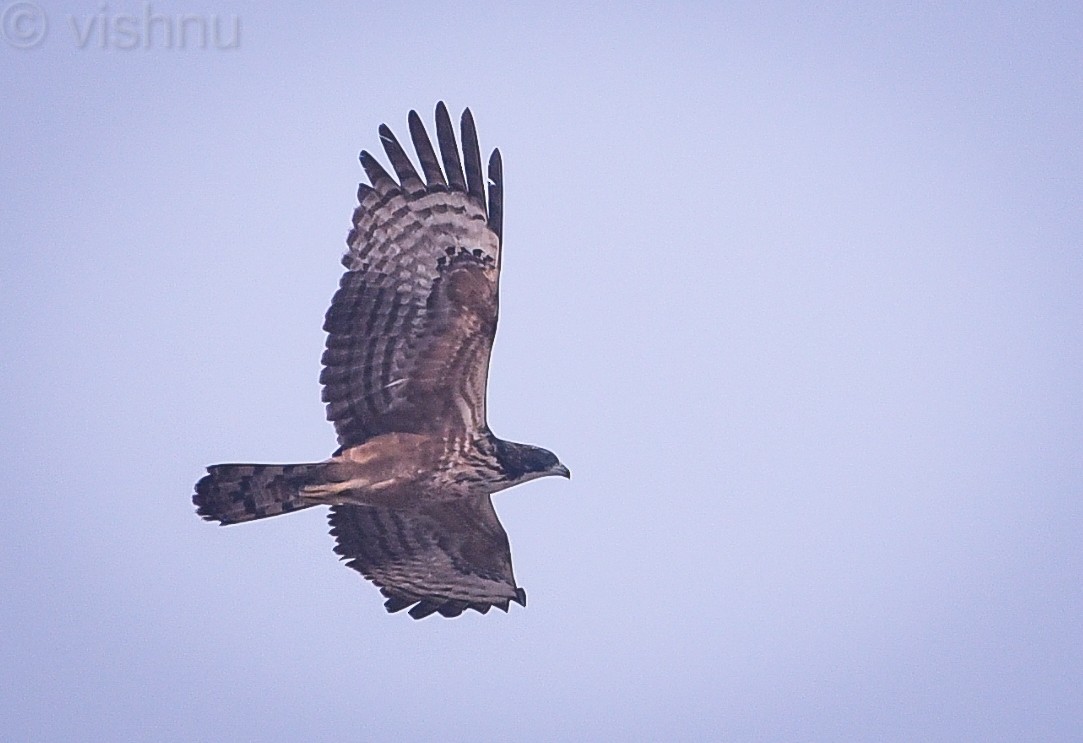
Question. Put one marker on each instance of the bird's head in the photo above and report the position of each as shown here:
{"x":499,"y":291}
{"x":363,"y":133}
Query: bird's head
{"x":522,"y":462}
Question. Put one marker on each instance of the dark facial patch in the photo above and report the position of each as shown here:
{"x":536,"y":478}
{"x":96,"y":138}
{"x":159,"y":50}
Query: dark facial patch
{"x":520,"y":459}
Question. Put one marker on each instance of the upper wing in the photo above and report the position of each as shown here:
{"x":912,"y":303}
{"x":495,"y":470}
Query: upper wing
{"x":412,"y":324}
{"x":444,"y":556}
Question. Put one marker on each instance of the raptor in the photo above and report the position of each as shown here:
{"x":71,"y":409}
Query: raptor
{"x":409,"y":334}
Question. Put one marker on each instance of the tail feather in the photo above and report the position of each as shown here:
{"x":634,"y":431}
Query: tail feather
{"x":232,"y":493}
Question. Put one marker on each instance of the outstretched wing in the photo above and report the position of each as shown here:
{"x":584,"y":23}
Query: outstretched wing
{"x":412,"y":324}
{"x":440,"y":556}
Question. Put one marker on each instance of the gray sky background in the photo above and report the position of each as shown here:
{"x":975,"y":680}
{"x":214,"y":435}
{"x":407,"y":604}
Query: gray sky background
{"x":795,"y":293}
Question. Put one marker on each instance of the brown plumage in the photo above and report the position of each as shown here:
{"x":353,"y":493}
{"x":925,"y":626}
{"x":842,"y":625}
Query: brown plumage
{"x":410,"y":331}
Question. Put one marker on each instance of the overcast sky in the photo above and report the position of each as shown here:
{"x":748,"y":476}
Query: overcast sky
{"x":796,"y":295}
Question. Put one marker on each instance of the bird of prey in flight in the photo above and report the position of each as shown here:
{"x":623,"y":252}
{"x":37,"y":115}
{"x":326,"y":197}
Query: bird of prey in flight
{"x":409,"y":333}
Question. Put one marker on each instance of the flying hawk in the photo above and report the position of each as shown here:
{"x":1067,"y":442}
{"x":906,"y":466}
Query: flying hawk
{"x":409,"y":333}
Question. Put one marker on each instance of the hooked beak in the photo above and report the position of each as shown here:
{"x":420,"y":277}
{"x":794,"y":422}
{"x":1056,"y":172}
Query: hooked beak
{"x":563,"y":471}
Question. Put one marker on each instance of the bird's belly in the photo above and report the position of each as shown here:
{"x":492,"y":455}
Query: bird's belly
{"x":385,"y":471}
{"x":362,"y":490}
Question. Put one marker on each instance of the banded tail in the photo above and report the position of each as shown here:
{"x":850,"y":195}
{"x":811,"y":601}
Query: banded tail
{"x":232,"y":493}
